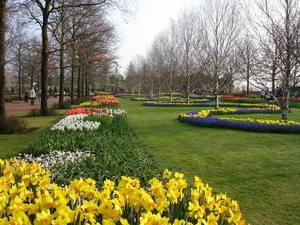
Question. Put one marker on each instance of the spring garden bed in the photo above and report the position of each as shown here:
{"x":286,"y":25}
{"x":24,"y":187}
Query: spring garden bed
{"x":100,"y":173}
{"x":204,"y":119}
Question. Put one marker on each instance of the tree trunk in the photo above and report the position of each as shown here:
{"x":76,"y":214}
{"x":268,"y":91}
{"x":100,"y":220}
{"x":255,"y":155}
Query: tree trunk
{"x":61,"y":77}
{"x":45,"y":60}
{"x":2,"y":57}
{"x":78,"y":82}
{"x":72,"y":76}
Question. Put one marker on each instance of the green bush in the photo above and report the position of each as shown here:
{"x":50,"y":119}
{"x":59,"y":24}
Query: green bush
{"x":37,"y":112}
{"x":12,"y":124}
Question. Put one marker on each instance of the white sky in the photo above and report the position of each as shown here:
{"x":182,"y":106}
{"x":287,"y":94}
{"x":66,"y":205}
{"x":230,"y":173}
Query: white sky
{"x":151,"y":17}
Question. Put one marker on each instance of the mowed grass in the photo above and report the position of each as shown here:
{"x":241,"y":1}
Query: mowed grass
{"x":12,"y":144}
{"x":259,"y":170}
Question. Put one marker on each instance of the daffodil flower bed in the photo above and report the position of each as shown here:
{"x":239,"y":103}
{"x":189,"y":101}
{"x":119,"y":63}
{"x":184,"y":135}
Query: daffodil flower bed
{"x":28,"y":196}
{"x":203,"y":118}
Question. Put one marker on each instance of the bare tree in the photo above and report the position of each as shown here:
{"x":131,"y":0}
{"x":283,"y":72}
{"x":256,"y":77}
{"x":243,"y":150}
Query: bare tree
{"x":187,"y":53}
{"x":220,"y":21}
{"x":131,"y":80}
{"x":40,"y":12}
{"x":280,"y":21}
{"x":248,"y":54}
{"x":170,"y":45}
{"x":157,"y":62}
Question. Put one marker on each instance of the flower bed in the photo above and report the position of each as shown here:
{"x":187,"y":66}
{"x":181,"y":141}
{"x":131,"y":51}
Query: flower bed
{"x":172,"y":104}
{"x":86,"y":164}
{"x":29,"y":197}
{"x":101,"y":101}
{"x":207,"y":103}
{"x":103,"y":132}
{"x":203,"y":119}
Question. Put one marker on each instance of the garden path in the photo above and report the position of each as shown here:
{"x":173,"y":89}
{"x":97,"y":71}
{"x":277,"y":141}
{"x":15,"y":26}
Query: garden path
{"x":23,"y":106}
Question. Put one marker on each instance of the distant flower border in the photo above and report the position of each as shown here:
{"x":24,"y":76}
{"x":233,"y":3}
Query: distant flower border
{"x":240,"y":125}
{"x":205,"y":103}
{"x":165,"y":104}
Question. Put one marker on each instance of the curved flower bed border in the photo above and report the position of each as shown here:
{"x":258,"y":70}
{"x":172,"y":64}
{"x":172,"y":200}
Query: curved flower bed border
{"x":176,"y":104}
{"x":246,"y":126}
{"x":207,"y":103}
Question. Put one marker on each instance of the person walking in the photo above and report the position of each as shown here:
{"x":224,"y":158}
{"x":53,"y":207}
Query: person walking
{"x":26,"y":95}
{"x":262,"y":94}
{"x":32,"y":95}
{"x":39,"y":94}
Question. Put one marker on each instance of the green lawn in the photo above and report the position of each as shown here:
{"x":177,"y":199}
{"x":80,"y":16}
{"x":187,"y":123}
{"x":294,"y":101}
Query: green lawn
{"x":261,"y":171}
{"x":12,"y":144}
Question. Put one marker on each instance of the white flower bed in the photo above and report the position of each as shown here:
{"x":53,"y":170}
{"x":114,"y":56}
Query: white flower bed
{"x":111,"y":112}
{"x":55,"y":158}
{"x":75,"y":122}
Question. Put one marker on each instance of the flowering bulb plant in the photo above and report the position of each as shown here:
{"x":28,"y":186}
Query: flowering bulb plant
{"x":99,"y":103}
{"x":75,"y":122}
{"x":95,"y":111}
{"x":102,"y":97}
{"x":29,"y":197}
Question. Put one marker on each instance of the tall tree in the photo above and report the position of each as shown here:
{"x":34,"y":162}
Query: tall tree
{"x":280,"y":21}
{"x":248,"y":53}
{"x":40,"y":12}
{"x":3,"y":9}
{"x":220,"y":21}
{"x":131,"y":78}
{"x":187,"y":54}
{"x":170,"y":47}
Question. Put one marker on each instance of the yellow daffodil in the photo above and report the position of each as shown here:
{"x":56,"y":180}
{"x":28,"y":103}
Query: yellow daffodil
{"x":150,"y":218}
{"x":27,"y":196}
{"x":195,"y":210}
{"x":43,"y":218}
{"x":211,"y":219}
{"x":167,"y":174}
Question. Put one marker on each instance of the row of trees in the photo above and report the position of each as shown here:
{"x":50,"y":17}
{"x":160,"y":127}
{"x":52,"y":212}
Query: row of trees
{"x":217,"y":43}
{"x":55,"y":42}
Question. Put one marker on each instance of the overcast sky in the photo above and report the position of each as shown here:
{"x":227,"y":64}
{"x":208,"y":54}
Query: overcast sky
{"x":151,"y":17}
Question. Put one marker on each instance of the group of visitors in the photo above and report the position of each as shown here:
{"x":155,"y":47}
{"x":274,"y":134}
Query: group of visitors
{"x":31,"y":94}
{"x":266,"y":94}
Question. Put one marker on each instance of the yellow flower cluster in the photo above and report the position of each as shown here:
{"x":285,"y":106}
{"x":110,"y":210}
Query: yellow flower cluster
{"x":103,"y":97}
{"x":200,"y":114}
{"x":206,"y":113}
{"x":102,"y":93}
{"x":27,"y":196}
{"x":238,"y":119}
{"x":90,"y":104}
{"x":280,"y":122}
{"x":223,"y":110}
{"x":260,"y":106}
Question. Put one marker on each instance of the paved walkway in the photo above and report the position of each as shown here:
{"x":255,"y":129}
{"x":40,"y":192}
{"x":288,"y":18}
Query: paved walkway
{"x":22,"y":107}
